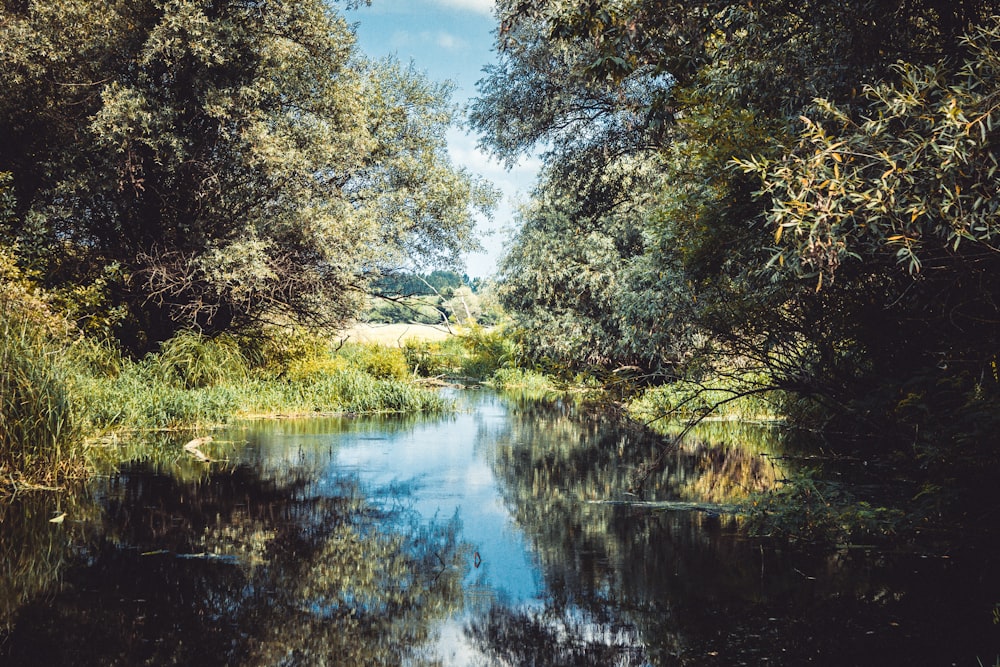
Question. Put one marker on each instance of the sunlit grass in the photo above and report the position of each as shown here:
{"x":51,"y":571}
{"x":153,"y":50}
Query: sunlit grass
{"x":160,"y":392}
{"x":59,"y":390}
{"x":39,"y":420}
{"x":521,"y":380}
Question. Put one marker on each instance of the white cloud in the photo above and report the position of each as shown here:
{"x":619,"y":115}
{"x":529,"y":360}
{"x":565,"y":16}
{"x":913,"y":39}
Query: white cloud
{"x":445,"y":40}
{"x":465,"y":153}
{"x":402,"y":39}
{"x":480,"y":6}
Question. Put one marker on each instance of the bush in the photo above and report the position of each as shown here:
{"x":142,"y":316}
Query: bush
{"x":508,"y":379}
{"x":810,"y":509}
{"x":488,"y":351}
{"x":276,"y":351}
{"x":379,"y":361}
{"x":433,"y":359}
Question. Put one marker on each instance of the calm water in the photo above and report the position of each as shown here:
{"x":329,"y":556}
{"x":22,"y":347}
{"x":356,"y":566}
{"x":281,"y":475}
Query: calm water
{"x":512,"y":533}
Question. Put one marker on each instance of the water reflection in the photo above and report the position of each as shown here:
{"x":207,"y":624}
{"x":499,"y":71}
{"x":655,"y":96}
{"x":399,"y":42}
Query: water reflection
{"x":237,"y":568}
{"x":512,"y":533}
{"x":37,"y":543}
{"x":630,"y":583}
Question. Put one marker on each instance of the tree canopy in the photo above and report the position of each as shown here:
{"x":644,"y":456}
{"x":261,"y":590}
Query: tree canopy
{"x":799,"y":192}
{"x":218,"y":163}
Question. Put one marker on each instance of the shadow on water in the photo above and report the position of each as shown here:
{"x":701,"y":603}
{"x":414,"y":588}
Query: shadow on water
{"x":322,"y":542}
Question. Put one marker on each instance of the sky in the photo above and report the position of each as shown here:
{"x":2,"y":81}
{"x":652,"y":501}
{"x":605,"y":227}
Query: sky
{"x":451,"y":40}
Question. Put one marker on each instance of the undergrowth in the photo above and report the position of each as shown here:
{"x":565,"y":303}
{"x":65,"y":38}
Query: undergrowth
{"x":199,"y":381}
{"x":811,"y":509}
{"x":664,"y":405}
{"x":40,"y":425}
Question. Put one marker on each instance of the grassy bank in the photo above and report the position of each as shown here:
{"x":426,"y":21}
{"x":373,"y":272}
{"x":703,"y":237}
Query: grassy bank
{"x":198,"y":381}
{"x":60,"y":389}
{"x":490,"y":357}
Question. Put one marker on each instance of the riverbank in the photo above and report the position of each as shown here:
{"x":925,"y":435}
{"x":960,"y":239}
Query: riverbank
{"x":62,"y":391}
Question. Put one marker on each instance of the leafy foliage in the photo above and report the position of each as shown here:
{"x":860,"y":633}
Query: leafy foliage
{"x":912,"y":179}
{"x":218,"y":164}
{"x":730,"y":192}
{"x":39,"y":417}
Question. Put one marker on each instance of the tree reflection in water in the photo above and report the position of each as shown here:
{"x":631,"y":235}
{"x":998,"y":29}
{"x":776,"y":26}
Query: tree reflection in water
{"x":283,"y":558}
{"x":632,"y":584}
{"x":552,"y":637}
{"x":237,"y":569}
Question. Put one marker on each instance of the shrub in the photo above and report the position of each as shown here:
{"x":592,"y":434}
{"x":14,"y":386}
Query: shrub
{"x":379,"y":361}
{"x":276,"y":351}
{"x":488,"y":351}
{"x":432,"y":359}
{"x":507,"y":379}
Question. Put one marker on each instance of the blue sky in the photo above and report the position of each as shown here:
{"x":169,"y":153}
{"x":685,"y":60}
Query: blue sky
{"x":453,"y":40}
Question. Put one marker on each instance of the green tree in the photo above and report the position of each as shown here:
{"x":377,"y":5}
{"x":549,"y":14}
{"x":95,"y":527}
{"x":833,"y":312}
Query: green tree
{"x":227,"y":162}
{"x":687,"y":87}
{"x":902,"y":204}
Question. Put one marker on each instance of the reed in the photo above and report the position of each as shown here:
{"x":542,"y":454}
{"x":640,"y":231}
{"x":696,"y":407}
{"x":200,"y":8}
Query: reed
{"x":40,"y":438}
{"x":192,"y":361}
{"x":58,"y":389}
{"x":171,"y":389}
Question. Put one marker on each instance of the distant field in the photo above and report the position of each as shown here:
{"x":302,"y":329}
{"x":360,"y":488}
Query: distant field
{"x":395,"y":334}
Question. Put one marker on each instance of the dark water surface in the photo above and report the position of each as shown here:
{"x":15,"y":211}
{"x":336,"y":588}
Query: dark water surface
{"x":512,"y":533}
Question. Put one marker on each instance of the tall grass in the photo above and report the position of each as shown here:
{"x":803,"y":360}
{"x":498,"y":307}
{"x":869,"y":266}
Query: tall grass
{"x":522,"y":380}
{"x":39,"y":425}
{"x":475,"y":354}
{"x":57,"y":389}
{"x":489,"y":351}
{"x":443,"y":358}
{"x":191,"y":361}
{"x":197,"y":381}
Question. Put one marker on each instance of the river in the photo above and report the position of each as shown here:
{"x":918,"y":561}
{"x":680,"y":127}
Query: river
{"x":513,"y":532}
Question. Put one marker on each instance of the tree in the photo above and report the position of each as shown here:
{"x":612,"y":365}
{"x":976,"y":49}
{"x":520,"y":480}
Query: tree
{"x":220,"y":163}
{"x":689,"y":87}
{"x":578,"y":278}
{"x":902,"y":203}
